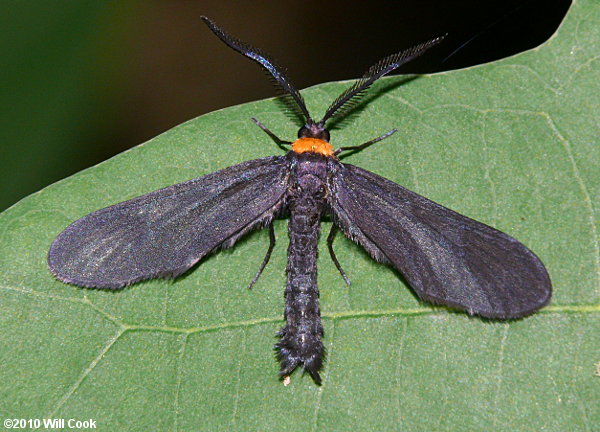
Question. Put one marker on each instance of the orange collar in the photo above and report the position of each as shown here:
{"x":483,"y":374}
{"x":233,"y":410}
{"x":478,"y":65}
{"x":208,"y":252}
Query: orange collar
{"x":312,"y":145}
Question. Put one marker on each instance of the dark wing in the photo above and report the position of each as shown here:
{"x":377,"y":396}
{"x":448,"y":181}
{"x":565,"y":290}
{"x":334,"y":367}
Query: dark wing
{"x":164,"y":233}
{"x":446,"y":258}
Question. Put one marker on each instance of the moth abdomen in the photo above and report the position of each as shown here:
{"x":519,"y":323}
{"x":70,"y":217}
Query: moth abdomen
{"x":301,"y":347}
{"x":300,"y":343}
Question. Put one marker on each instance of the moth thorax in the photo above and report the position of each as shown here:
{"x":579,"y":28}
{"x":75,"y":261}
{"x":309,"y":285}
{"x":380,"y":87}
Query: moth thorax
{"x":313,"y":145}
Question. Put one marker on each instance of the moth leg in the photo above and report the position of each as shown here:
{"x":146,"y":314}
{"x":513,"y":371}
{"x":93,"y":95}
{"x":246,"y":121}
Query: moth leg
{"x":367,"y":144}
{"x":330,"y":238}
{"x":267,"y":256}
{"x":274,"y":137}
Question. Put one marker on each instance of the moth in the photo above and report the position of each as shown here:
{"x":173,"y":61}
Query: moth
{"x":446,"y":257}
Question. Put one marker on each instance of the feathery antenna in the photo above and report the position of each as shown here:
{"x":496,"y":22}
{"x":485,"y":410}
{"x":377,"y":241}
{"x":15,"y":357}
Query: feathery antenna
{"x":344,"y":101}
{"x":263,"y":59}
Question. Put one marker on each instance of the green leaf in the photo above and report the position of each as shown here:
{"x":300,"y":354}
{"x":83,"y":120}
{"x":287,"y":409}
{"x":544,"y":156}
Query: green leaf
{"x":512,"y":143}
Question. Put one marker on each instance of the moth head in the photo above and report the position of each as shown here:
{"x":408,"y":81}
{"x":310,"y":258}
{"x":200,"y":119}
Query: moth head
{"x":314,"y":130}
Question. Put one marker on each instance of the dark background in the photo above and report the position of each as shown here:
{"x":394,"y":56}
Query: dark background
{"x":83,"y":80}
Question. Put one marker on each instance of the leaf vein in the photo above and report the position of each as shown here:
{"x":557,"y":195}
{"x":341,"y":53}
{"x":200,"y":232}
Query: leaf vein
{"x":586,"y":195}
{"x":86,"y":372}
{"x":399,"y":370}
{"x":236,"y":400}
{"x":500,"y":372}
{"x":178,"y":382}
{"x":315,"y":426}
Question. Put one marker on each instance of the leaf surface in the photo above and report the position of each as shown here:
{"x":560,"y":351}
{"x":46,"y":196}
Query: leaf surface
{"x":513,"y":144}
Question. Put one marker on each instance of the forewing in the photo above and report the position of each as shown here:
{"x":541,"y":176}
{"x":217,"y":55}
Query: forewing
{"x":447,"y":258}
{"x":164,"y":233}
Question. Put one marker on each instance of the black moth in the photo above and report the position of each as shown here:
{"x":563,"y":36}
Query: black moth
{"x":446,"y":258}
